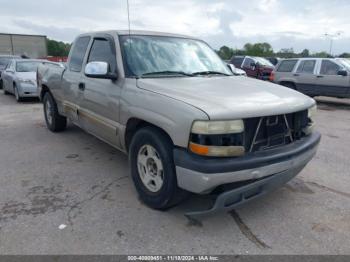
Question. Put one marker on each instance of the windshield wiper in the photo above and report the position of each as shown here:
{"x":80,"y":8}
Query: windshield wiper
{"x":162,"y":73}
{"x":209,"y":73}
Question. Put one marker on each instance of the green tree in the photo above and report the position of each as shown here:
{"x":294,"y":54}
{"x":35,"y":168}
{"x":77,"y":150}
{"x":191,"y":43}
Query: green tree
{"x":287,"y":53}
{"x":258,"y":49}
{"x":55,"y":48}
{"x":225,"y":52}
{"x":305,"y":53}
{"x":345,"y":55}
{"x":322,"y":55}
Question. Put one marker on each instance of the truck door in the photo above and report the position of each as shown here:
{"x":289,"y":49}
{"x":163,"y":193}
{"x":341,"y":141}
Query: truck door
{"x":248,"y":68}
{"x":71,"y":87}
{"x":329,"y":82}
{"x":99,"y":111}
{"x":305,"y":77}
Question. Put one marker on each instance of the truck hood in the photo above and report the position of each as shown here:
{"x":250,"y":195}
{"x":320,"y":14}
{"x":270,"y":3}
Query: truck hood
{"x":229,"y":97}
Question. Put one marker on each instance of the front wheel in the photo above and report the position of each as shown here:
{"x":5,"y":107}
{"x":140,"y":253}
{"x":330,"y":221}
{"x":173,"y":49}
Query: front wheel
{"x":54,"y":121}
{"x":18,"y":97}
{"x":153,"y":169}
{"x":5,"y":92}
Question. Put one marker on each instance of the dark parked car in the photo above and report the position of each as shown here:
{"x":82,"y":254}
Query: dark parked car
{"x":256,"y":67}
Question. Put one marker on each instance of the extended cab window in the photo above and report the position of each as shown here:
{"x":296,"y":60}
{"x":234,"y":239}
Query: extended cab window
{"x":78,"y":53}
{"x":102,"y":50}
{"x":306,"y":67}
{"x":287,"y":66}
{"x":329,"y":68}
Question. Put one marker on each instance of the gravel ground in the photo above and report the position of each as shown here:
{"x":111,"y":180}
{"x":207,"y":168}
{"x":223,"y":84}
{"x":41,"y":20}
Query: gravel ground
{"x":70,"y":193}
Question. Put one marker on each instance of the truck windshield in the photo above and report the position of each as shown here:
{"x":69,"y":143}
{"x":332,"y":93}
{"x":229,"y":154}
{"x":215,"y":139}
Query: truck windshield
{"x":345,"y":63}
{"x":27,"y":66}
{"x":162,"y":56}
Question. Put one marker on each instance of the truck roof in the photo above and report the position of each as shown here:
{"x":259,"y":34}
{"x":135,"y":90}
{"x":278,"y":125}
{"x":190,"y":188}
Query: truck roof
{"x":137,"y":32}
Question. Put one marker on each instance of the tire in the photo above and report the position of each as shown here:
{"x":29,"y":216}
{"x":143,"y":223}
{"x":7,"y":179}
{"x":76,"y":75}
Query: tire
{"x":289,"y":85}
{"x":5,"y":92}
{"x":141,"y":158}
{"x":17,"y":96}
{"x":1,"y":85}
{"x":54,"y":121}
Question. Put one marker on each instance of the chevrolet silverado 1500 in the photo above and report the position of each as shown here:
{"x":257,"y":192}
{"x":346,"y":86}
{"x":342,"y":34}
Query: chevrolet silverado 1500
{"x":187,"y":123}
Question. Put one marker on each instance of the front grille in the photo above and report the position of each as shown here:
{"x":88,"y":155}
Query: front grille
{"x":263,"y":133}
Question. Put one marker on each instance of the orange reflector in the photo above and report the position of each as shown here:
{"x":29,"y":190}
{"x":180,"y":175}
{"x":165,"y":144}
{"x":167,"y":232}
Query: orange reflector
{"x":199,"y":149}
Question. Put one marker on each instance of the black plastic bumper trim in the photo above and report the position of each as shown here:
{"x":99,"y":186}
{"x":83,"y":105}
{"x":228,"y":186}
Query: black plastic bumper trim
{"x":185,"y":159}
{"x":232,"y":199}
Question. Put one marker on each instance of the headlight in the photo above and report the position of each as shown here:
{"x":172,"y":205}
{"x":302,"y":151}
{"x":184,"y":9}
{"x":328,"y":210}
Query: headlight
{"x":217,"y":138}
{"x":311,"y":116}
{"x":218,"y":127}
{"x":312,"y":112}
{"x":26,"y":81}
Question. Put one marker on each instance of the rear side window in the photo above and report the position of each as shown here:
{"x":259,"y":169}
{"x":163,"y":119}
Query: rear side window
{"x":78,"y":53}
{"x":329,"y":68}
{"x":102,"y":50}
{"x":237,"y":61}
{"x":306,"y":67}
{"x":287,"y":66}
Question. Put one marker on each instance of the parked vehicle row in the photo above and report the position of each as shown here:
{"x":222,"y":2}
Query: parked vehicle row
{"x":19,"y":77}
{"x":186,"y":121}
{"x":4,"y":61}
{"x":256,"y":67}
{"x":315,"y":76}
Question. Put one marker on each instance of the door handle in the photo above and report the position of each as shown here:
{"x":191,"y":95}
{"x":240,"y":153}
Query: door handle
{"x":319,"y":76}
{"x":82,"y":86}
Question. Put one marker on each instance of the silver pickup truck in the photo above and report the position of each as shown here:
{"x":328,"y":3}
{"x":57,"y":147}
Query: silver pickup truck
{"x":187,"y":123}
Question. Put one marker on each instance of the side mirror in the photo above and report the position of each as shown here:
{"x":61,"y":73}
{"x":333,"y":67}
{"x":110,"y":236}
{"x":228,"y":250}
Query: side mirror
{"x":342,"y":72}
{"x":99,"y":70}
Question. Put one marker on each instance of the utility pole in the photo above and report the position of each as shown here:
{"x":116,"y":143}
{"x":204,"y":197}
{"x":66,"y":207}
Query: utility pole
{"x":331,"y":37}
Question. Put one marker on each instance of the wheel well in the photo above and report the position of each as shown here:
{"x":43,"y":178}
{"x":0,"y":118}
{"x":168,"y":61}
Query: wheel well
{"x":44,"y":90}
{"x":135,"y":124}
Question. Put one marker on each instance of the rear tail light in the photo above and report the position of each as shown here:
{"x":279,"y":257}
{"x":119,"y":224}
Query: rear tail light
{"x":272,"y":76}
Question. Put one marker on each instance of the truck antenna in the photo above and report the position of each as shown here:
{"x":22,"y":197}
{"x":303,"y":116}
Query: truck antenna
{"x":127,"y":5}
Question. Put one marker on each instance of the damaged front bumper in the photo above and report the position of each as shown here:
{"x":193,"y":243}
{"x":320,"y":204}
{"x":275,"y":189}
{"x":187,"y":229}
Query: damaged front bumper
{"x":267,"y":170}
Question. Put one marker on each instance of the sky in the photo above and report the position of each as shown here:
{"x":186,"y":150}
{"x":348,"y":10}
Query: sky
{"x":294,"y":24}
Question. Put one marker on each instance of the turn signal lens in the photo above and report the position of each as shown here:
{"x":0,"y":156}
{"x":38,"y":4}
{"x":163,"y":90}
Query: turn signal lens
{"x":218,"y":151}
{"x":199,"y":149}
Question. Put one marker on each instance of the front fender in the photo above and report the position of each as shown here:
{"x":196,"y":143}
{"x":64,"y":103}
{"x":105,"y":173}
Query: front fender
{"x":173,"y":116}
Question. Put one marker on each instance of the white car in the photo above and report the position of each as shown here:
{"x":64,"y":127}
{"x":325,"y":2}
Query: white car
{"x":19,"y":78}
{"x":236,"y":71}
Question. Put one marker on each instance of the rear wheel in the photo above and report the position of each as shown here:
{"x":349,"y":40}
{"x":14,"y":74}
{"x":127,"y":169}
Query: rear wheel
{"x":153,"y":169}
{"x":54,"y":121}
